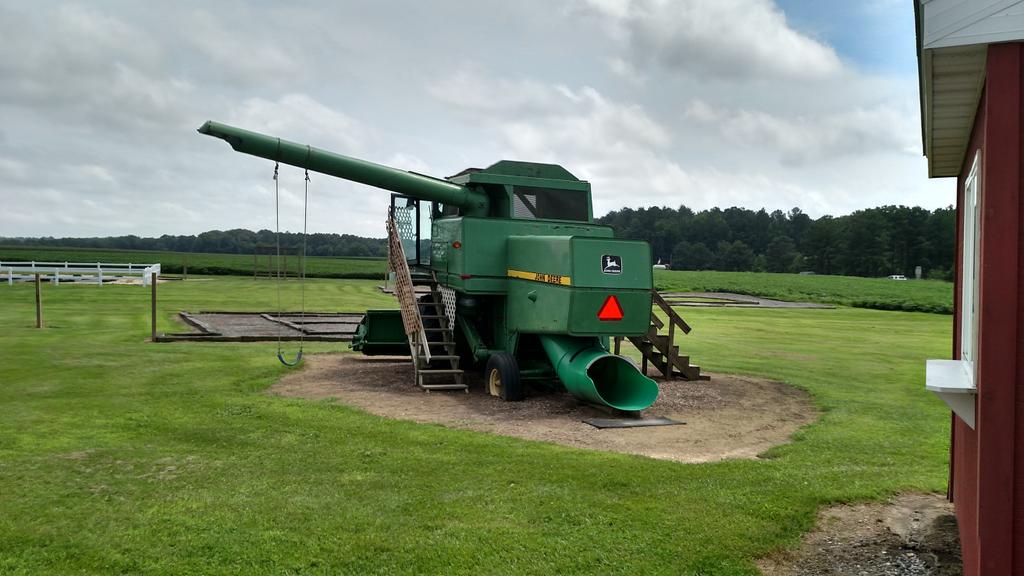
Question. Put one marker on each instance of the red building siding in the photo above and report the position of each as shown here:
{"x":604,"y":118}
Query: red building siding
{"x":1017,"y":371}
{"x":964,"y":457}
{"x":988,"y":462}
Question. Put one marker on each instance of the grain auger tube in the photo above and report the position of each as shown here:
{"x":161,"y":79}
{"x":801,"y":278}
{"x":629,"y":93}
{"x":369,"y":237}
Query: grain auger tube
{"x":522,"y":281}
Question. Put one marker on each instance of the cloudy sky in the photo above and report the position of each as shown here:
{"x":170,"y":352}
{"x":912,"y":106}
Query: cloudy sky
{"x":754,"y":103}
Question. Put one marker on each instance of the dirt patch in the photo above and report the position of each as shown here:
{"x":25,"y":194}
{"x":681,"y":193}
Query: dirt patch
{"x":726,"y":417}
{"x":912,"y":535}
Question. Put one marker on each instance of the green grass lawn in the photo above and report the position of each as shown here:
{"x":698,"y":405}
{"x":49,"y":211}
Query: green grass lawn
{"x":875,"y":293}
{"x":174,"y":262}
{"x":121,"y":456}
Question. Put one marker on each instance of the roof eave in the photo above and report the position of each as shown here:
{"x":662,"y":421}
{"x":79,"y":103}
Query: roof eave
{"x":921,"y":80}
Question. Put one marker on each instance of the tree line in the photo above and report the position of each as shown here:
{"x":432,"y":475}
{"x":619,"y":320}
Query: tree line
{"x":237,"y":241}
{"x":872,"y":242}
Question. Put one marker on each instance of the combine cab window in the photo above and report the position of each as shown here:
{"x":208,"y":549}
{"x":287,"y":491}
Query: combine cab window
{"x":445,"y":210}
{"x":549,"y":204}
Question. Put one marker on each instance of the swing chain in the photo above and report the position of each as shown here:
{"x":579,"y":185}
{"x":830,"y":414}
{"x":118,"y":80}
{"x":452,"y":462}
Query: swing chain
{"x":302,"y":271}
{"x":302,"y":261}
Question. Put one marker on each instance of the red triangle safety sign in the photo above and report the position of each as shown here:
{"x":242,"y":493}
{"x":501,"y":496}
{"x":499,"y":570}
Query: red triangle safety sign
{"x":610,"y":310}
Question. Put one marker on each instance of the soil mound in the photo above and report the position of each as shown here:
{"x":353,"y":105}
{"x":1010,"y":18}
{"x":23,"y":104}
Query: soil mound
{"x":911,"y":535}
{"x":726,"y":417}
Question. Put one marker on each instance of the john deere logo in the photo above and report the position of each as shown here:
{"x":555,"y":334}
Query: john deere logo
{"x":611,"y":264}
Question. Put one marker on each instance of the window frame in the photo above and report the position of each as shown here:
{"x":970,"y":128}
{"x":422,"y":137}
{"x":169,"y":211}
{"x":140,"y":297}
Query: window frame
{"x":544,"y":196}
{"x":955,"y":381}
{"x":970,"y":268}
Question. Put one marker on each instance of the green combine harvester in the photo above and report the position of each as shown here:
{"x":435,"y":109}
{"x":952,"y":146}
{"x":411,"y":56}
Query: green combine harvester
{"x":515,"y":276}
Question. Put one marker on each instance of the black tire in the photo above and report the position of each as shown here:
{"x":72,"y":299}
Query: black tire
{"x":501,"y":377}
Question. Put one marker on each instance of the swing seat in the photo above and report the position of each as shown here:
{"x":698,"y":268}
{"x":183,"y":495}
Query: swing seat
{"x":298,"y":359}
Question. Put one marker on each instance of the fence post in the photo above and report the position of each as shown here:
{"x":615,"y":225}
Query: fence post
{"x":39,"y":304}
{"x":152,"y":308}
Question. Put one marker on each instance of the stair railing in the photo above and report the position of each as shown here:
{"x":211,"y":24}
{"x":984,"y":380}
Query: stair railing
{"x":671,"y":351}
{"x":405,"y":291}
{"x":674,"y":319}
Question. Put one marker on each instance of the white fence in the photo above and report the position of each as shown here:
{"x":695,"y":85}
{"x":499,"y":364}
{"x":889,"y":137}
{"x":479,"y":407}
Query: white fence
{"x":77,"y":271}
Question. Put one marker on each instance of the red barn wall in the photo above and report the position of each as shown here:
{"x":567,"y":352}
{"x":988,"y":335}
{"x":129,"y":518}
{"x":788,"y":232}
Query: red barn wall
{"x":964,"y":458}
{"x":988,"y":462}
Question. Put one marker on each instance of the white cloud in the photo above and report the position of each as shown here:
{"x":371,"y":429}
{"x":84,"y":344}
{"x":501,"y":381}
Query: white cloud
{"x":91,"y":172}
{"x":800,"y":139}
{"x":99,"y":103}
{"x":724,"y":38}
{"x":244,"y":57}
{"x":409,"y":162}
{"x":335,"y":205}
{"x":625,"y":153}
{"x":88,"y":67}
{"x":300,"y":118}
{"x":582,"y":118}
{"x":633,"y":159}
{"x":11,"y":169}
{"x":464,"y":90}
{"x":626,"y":70}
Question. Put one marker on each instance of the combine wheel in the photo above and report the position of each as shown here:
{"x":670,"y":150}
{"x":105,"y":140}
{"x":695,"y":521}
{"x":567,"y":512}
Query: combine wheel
{"x":502,"y":377}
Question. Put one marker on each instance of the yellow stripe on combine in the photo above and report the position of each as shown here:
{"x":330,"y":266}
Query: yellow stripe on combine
{"x":540,"y":277}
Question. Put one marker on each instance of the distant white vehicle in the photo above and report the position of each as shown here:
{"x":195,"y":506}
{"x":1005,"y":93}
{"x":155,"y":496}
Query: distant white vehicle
{"x":660,"y":266}
{"x":897,"y":277}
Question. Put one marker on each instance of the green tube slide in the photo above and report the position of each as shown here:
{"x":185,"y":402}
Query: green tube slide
{"x":591,"y":374}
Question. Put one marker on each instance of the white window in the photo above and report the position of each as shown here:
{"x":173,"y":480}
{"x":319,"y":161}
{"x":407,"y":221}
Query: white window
{"x":953,"y":380}
{"x":969,"y":268}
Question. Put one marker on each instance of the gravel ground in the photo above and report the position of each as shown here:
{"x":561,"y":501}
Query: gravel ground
{"x":911,"y":535}
{"x":726,"y":417}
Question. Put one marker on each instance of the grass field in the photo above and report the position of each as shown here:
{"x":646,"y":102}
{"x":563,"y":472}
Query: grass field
{"x":174,"y":262}
{"x":875,"y":293}
{"x":121,"y":456}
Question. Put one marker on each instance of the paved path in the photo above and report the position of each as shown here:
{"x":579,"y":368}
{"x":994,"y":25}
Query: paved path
{"x":728,"y":299}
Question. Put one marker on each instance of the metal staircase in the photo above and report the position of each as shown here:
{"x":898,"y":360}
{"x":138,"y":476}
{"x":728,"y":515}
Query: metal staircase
{"x":436,"y":361}
{"x":660,"y":349}
{"x":428,"y":320}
